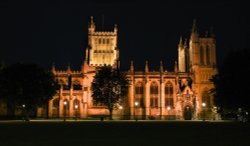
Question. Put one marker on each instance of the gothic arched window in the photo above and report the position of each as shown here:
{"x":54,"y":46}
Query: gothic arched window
{"x":139,"y":93}
{"x":208,"y":55}
{"x":55,"y":108}
{"x":76,"y":104}
{"x":202,"y":55}
{"x":154,"y":95}
{"x":169,"y":92}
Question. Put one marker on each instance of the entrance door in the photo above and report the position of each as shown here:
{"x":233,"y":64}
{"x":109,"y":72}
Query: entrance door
{"x":188,"y":113}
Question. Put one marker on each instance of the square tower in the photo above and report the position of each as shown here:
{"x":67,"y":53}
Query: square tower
{"x":102,"y":46}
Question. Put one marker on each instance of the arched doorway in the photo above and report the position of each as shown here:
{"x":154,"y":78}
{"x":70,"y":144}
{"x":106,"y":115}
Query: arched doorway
{"x":187,"y":113}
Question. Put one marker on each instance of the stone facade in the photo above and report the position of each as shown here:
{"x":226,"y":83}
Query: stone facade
{"x":162,"y":94}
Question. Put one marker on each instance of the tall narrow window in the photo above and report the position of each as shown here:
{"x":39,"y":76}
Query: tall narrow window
{"x":154,"y":95}
{"x":139,"y":94}
{"x":208,"y":55}
{"x":55,"y":107}
{"x":169,"y":92}
{"x":202,"y":55}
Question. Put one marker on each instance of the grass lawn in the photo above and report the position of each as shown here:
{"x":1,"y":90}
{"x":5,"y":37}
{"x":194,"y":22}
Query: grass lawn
{"x":129,"y":133}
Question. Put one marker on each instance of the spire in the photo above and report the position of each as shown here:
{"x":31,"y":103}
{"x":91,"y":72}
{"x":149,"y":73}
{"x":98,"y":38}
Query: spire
{"x":185,"y":43}
{"x":91,"y":25}
{"x":116,"y":28}
{"x":194,"y":28}
{"x":92,"y":20}
{"x":175,"y":67}
{"x":53,"y":68}
{"x":69,"y":68}
{"x":161,"y":67}
{"x":87,"y":54}
{"x":180,"y":42}
{"x":211,"y":32}
{"x":131,"y":66}
{"x":146,"y":66}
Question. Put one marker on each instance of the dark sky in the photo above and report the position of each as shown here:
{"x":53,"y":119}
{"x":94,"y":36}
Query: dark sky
{"x":45,"y":31}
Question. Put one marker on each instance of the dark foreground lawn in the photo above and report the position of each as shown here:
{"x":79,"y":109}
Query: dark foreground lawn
{"x":124,"y":133}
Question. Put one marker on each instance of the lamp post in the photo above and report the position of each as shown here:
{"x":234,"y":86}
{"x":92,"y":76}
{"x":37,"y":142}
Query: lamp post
{"x":24,"y":112}
{"x":168,"y":108}
{"x":64,"y":110}
{"x":120,"y":108}
{"x":203,"y":110}
{"x":136,"y":104}
{"x":76,"y":110}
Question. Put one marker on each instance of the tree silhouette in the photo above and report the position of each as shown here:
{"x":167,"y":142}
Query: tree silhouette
{"x":26,"y":85}
{"x":232,"y":81}
{"x":109,"y":87}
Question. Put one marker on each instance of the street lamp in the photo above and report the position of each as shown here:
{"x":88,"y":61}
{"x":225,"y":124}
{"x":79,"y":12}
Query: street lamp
{"x":136,"y":104}
{"x":203,"y":106}
{"x":65,"y":105}
{"x":24,"y":112}
{"x":168,"y":108}
{"x":76,"y":110}
{"x":120,"y":108}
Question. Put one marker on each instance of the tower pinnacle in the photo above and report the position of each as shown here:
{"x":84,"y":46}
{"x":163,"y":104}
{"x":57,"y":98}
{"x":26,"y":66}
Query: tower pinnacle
{"x":194,"y":28}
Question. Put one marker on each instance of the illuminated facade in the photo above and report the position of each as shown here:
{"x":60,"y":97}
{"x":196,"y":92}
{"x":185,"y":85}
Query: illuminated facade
{"x":178,"y":94}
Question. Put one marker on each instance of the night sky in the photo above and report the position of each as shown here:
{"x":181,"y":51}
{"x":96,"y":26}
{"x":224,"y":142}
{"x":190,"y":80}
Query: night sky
{"x":45,"y":31}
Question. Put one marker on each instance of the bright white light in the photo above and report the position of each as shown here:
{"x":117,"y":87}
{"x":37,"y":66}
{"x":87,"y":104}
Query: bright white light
{"x":76,"y":106}
{"x":120,"y":107}
{"x":65,"y":102}
{"x":168,"y":108}
{"x":23,"y":105}
{"x":203,"y":104}
{"x":136,"y":103}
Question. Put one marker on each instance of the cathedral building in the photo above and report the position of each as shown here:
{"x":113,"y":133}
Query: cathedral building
{"x":181,"y":94}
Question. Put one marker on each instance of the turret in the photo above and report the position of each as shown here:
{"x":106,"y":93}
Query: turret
{"x":181,"y":56}
{"x":194,"y":50}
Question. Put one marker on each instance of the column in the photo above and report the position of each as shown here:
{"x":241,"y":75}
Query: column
{"x":162,"y":95}
{"x":147,"y":96}
{"x":83,"y":107}
{"x":50,"y":112}
{"x":61,"y":108}
{"x":131,"y":97}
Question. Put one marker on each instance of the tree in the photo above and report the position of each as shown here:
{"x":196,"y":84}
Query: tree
{"x":26,"y":84}
{"x":232,"y":81}
{"x":109,"y":86}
